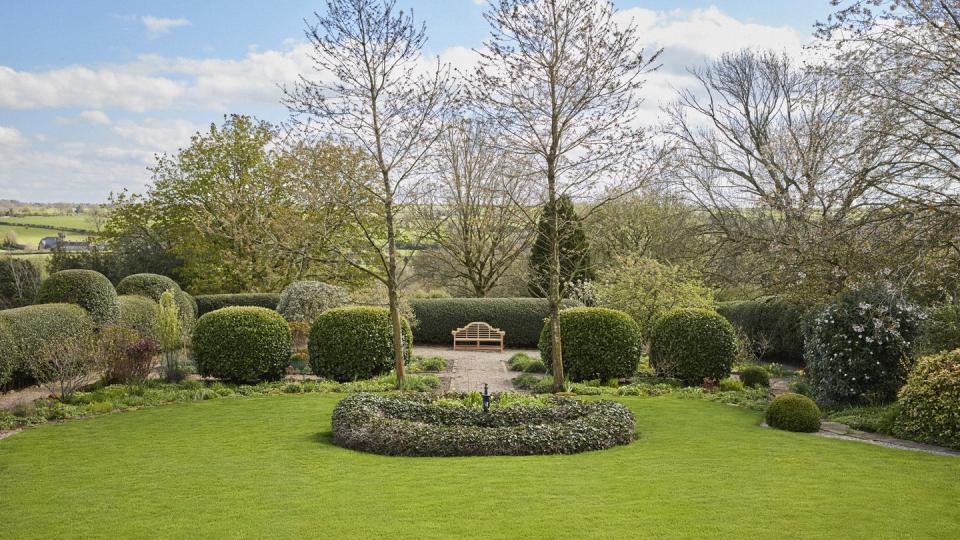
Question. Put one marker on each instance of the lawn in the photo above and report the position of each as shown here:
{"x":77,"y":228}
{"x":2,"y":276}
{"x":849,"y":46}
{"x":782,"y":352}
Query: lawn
{"x":265,"y":467}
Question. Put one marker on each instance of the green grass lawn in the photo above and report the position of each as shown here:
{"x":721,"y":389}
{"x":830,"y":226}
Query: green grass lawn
{"x":265,"y":467}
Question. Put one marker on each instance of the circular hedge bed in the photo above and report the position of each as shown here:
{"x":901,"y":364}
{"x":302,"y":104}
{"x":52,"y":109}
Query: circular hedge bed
{"x":413,"y":425}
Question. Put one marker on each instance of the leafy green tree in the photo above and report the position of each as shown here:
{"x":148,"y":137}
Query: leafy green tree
{"x":573,"y":247}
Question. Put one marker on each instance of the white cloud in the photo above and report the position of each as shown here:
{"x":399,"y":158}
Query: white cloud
{"x":86,"y":117}
{"x":157,"y":26}
{"x":10,"y":136}
{"x":154,"y":135}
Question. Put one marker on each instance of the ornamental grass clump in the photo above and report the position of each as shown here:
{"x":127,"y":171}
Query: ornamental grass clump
{"x":417,"y":425}
{"x":858,"y":347}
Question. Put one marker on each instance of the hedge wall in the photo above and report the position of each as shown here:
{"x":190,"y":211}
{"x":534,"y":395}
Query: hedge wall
{"x":30,"y":328}
{"x":772,"y":319}
{"x":212,"y":302}
{"x":521,"y":318}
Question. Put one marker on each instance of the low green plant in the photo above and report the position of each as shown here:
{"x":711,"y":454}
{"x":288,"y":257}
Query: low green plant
{"x":535,"y":366}
{"x":875,"y":419}
{"x":731,"y":385}
{"x":755,"y":376}
{"x":793,"y":412}
{"x":519,"y":361}
{"x":431,"y":364}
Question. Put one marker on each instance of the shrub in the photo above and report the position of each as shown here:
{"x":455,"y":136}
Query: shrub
{"x":304,"y":300}
{"x":755,"y":376}
{"x":149,"y":285}
{"x":535,"y":366}
{"x":930,"y":401}
{"x":88,"y":289}
{"x":64,"y":366}
{"x":7,"y":346}
{"x":942,"y":331}
{"x":123,"y":356}
{"x":170,"y":337}
{"x":731,"y":385}
{"x":415,"y":426}
{"x":645,"y":289}
{"x":692,"y":345}
{"x":299,"y":335}
{"x":212,"y":302}
{"x":858,"y":347}
{"x":598,"y":343}
{"x":521,"y":318}
{"x":432,"y":364}
{"x":793,"y":412}
{"x":242,"y":344}
{"x":139,"y":313}
{"x":30,"y":328}
{"x":772,"y":324}
{"x":348,"y":343}
{"x":519,"y":362}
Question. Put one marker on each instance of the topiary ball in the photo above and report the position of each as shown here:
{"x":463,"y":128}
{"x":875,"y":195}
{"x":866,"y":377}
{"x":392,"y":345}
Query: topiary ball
{"x":304,"y":300}
{"x":242,"y":344}
{"x":34,"y":327}
{"x":598,"y":343}
{"x":755,"y":376}
{"x":793,"y":412}
{"x":693,"y":345}
{"x":88,"y":289}
{"x":149,"y":285}
{"x":349,"y":343}
{"x":139,"y":313}
{"x":930,"y":401}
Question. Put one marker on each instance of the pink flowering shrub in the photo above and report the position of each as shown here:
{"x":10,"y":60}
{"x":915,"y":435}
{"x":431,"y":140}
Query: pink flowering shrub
{"x":858,"y":347}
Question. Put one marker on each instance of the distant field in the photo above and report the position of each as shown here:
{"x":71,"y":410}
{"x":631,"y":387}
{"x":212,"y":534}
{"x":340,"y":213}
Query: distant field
{"x":81,"y":221}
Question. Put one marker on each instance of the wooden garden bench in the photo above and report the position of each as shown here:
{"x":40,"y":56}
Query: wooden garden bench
{"x":478,"y":336}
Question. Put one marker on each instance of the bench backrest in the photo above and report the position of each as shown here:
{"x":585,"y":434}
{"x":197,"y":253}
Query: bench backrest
{"x":478,"y":330}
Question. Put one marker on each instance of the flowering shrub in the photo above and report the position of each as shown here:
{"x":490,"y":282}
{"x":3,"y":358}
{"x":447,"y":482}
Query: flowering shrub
{"x":930,"y":401}
{"x":304,"y":300}
{"x":857,"y":347}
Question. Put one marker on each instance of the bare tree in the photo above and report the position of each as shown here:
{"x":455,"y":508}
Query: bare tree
{"x":373,"y":92}
{"x":779,"y":160}
{"x":559,"y":78}
{"x":471,"y":218}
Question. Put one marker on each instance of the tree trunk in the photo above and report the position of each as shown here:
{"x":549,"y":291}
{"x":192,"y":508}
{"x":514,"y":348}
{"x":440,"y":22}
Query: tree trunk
{"x":392,"y":292}
{"x":553,"y":293}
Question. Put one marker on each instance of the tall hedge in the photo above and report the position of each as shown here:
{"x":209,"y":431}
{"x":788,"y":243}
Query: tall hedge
{"x":28,"y":329}
{"x":212,"y":302}
{"x":773,"y":320}
{"x":7,"y":345}
{"x":139,"y":314}
{"x":693,"y":345}
{"x":349,"y":343}
{"x":242,"y":344}
{"x":521,"y":318}
{"x":86,"y":288}
{"x":598,"y":343}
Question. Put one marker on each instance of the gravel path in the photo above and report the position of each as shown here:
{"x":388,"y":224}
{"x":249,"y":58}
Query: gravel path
{"x":469,"y":370}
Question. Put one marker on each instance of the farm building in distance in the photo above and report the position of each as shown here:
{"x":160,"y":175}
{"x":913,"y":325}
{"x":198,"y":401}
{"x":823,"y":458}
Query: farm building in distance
{"x":53,"y":242}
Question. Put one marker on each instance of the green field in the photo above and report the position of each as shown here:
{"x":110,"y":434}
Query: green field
{"x":265,"y":467}
{"x":30,"y":236}
{"x":72,"y":221}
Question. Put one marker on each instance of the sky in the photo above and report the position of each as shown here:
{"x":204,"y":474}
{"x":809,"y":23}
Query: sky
{"x":91,"y":91}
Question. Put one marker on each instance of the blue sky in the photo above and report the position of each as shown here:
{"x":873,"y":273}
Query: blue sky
{"x":90,"y":91}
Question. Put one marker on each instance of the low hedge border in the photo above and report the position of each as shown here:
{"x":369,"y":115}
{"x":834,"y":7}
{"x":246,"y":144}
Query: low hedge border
{"x":412,"y":425}
{"x":521,"y":318}
{"x":212,"y":302}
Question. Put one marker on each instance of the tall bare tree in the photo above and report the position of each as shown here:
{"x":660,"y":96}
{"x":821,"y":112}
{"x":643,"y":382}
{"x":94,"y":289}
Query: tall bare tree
{"x":471,"y":217}
{"x":372,"y":91}
{"x":560,"y":79}
{"x":779,"y":159}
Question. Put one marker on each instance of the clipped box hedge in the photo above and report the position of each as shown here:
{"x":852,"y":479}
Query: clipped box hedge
{"x":598,"y":343}
{"x":773,"y":320}
{"x":25,"y":331}
{"x":242,"y":344}
{"x":86,"y":288}
{"x":212,"y":302}
{"x":521,"y":318}
{"x":139,"y":313}
{"x":355,"y":342}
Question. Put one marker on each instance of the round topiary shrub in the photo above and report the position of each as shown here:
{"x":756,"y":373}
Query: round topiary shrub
{"x":693,"y":345}
{"x":304,"y":300}
{"x":930,"y":401}
{"x":598,"y":343}
{"x":793,"y":412}
{"x":34,"y":327}
{"x":858,"y":346}
{"x":242,"y":344}
{"x":349,"y":343}
{"x":416,"y":425}
{"x":755,"y":376}
{"x":88,"y":289}
{"x":139,"y":313}
{"x":149,"y":285}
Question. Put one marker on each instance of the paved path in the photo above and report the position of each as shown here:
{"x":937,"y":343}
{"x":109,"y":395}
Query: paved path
{"x":469,"y":370}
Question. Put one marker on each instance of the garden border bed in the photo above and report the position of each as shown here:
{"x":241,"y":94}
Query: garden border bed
{"x":414,"y":426}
